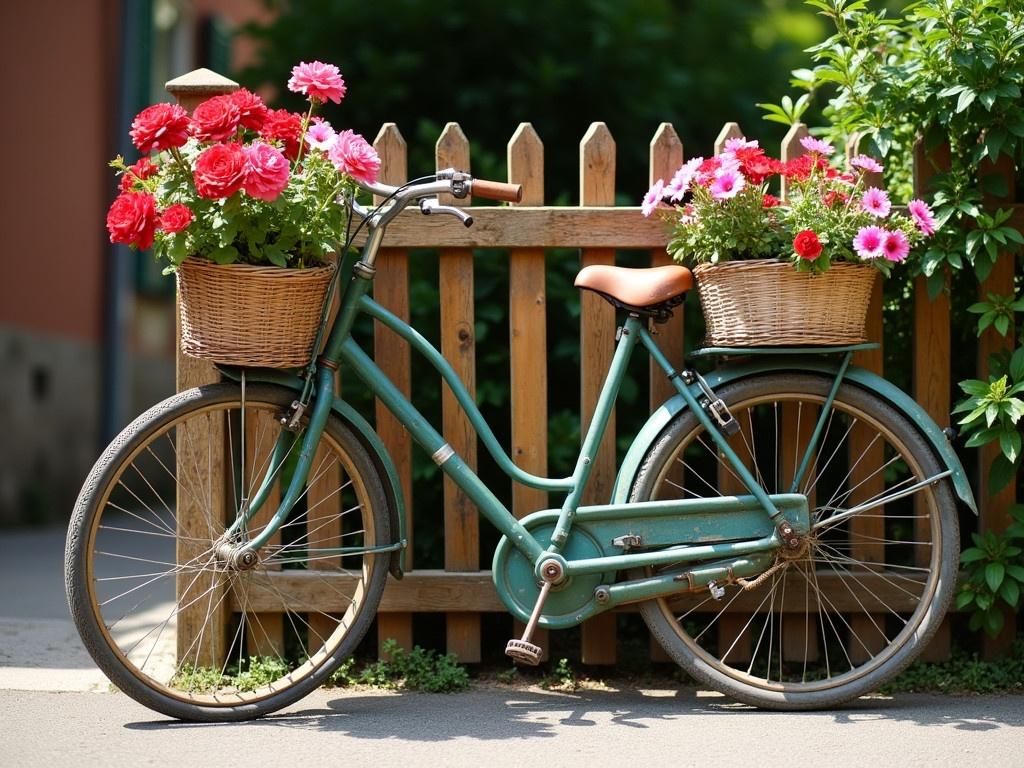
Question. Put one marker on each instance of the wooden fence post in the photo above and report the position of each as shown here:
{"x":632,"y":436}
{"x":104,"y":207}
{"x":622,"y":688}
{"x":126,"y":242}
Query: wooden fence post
{"x":391,"y":353}
{"x":458,"y":344}
{"x":528,"y":341}
{"x":190,"y":90}
{"x":597,"y":345}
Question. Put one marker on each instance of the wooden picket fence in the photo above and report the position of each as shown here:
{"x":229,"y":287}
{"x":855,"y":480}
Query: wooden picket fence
{"x":462,"y":591}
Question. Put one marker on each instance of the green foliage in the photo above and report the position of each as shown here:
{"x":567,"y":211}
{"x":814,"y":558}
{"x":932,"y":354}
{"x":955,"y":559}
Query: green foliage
{"x":963,"y":674}
{"x":994,"y":568}
{"x":415,"y":670}
{"x":561,"y":677}
{"x":254,"y":672}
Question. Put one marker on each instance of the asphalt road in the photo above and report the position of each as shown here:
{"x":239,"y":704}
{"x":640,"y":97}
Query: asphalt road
{"x":494,"y":727}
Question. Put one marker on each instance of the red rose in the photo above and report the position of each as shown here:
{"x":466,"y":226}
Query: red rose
{"x":220,"y":171}
{"x":807,"y":245}
{"x":176,"y":218}
{"x":132,"y":219}
{"x":216,"y":119}
{"x":142,"y":169}
{"x":160,"y":127}
{"x":285,"y":127}
{"x":250,"y":107}
{"x":770,"y":201}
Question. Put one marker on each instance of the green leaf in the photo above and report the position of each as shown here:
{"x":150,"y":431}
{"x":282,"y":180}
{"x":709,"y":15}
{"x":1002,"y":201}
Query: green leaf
{"x":966,"y":99}
{"x":1000,"y":474}
{"x":1016,"y":571}
{"x":993,"y":621}
{"x":1002,"y":324}
{"x":972,"y":555}
{"x":1017,"y":365}
{"x":1010,"y":592}
{"x":994,"y":574}
{"x":226,"y":254}
{"x":963,"y":599}
{"x":1009,"y":443}
{"x":981,"y":437}
{"x":975,"y":387}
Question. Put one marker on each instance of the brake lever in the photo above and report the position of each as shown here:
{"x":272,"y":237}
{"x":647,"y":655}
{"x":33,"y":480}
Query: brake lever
{"x":430,"y":205}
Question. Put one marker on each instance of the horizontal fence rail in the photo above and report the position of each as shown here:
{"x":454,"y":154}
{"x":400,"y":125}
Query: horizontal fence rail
{"x":462,"y":591}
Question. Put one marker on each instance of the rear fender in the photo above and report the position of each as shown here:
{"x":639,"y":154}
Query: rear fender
{"x":367,"y":437}
{"x":865,"y":379}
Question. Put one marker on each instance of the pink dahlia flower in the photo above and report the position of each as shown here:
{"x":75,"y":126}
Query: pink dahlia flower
{"x":922,"y":216}
{"x":728,"y":182}
{"x":869,"y":241}
{"x":876,"y":202}
{"x":351,"y":154}
{"x":866,"y":163}
{"x":812,"y":144}
{"x":732,"y":145}
{"x":896,"y":246}
{"x":318,"y":81}
{"x":653,"y":197}
{"x":320,"y":134}
{"x":266,"y":171}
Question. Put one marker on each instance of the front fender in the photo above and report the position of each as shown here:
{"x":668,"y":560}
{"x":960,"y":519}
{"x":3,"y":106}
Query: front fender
{"x":863,"y":378}
{"x":367,"y":437}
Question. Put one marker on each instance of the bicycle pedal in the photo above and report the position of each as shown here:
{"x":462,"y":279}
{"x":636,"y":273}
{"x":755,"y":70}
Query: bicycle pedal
{"x":524,"y":652}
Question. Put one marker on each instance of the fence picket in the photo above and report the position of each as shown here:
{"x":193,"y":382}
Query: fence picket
{"x":458,"y":344}
{"x":597,"y":345}
{"x":391,"y":353}
{"x":528,"y":341}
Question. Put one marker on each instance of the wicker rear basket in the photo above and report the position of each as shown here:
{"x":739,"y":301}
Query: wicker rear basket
{"x":238,"y":314}
{"x":768,"y":303}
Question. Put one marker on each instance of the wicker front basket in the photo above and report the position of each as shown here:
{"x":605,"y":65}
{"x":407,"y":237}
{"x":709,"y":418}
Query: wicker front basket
{"x":768,"y":303}
{"x":238,"y":314}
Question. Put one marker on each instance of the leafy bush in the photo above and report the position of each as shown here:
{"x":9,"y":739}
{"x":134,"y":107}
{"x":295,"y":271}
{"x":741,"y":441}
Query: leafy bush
{"x":994,"y":567}
{"x":415,"y":670}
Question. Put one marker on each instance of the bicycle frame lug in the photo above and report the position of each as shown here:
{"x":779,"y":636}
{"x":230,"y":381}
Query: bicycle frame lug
{"x":364,"y":270}
{"x":627,"y":542}
{"x":789,"y":536}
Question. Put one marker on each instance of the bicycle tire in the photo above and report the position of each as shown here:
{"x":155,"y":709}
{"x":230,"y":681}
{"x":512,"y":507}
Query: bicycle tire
{"x":869,"y":592}
{"x":161,"y":613}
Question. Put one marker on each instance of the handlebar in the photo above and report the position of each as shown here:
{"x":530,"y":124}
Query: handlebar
{"x":496,"y":190}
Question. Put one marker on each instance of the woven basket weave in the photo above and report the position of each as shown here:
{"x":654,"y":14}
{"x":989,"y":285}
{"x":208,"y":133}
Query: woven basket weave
{"x":768,"y":303}
{"x":238,"y":314}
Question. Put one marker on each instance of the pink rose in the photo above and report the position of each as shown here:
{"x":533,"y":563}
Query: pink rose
{"x":220,"y":171}
{"x":318,"y":81}
{"x":160,"y":127}
{"x":132,"y":219}
{"x":176,"y":218}
{"x":351,"y":154}
{"x":216,"y":119}
{"x":251,"y":109}
{"x":266,"y":173}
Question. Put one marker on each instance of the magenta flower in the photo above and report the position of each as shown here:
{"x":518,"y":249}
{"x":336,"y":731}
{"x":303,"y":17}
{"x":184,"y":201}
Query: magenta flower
{"x":869,"y":241}
{"x":728,"y":182}
{"x":318,"y":81}
{"x":320,"y":134}
{"x":352,"y":154}
{"x":731,"y":145}
{"x":866,"y":163}
{"x":653,"y":198}
{"x":812,"y":144}
{"x":896,"y":246}
{"x":922,"y":216}
{"x":876,"y":202}
{"x":266,"y":171}
{"x":680,"y":183}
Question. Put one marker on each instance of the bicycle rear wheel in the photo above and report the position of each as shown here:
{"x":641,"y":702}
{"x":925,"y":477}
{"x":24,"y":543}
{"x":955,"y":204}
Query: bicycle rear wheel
{"x":165,"y":616}
{"x":870,"y":589}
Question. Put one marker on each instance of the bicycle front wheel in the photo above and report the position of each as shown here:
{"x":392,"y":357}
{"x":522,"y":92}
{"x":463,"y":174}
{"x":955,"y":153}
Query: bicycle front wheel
{"x":166,"y":615}
{"x":870,"y":588}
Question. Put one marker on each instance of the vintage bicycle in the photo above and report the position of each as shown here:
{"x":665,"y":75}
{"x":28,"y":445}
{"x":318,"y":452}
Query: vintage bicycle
{"x":787,"y":522}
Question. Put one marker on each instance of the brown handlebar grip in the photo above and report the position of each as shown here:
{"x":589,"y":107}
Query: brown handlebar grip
{"x":497,"y":190}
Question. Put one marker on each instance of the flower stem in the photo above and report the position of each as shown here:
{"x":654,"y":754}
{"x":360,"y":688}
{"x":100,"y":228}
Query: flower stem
{"x":305,"y":125}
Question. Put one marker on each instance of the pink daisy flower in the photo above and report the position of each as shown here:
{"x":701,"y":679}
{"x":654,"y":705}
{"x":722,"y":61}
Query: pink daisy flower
{"x":320,"y":134}
{"x":680,"y":183}
{"x":728,"y":182}
{"x":812,"y":144}
{"x":876,"y":202}
{"x":653,"y":198}
{"x":922,"y":216}
{"x":896,"y":246}
{"x":869,"y":241}
{"x":731,"y":145}
{"x":318,"y":81}
{"x":866,"y":163}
